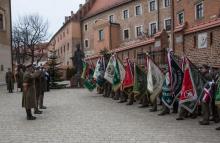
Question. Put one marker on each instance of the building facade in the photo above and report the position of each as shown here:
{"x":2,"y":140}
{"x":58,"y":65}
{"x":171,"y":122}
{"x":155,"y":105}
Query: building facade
{"x":64,"y":42}
{"x":113,"y":24}
{"x":5,"y":38}
{"x":131,"y":28}
{"x":197,"y":30}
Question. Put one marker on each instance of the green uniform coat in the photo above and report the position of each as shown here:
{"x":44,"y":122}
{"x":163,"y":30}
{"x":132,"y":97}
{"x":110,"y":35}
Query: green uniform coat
{"x":29,"y":95}
{"x":9,"y":78}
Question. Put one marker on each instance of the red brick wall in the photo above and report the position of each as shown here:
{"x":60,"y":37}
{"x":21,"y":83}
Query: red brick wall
{"x":210,"y":55}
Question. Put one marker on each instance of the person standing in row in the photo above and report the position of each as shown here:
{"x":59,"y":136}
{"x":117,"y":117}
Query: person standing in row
{"x":29,"y":92}
{"x":19,"y":78}
{"x":9,"y":78}
{"x":39,"y":89}
{"x":43,"y":89}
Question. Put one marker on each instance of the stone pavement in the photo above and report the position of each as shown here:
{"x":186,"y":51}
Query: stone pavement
{"x":78,"y":116}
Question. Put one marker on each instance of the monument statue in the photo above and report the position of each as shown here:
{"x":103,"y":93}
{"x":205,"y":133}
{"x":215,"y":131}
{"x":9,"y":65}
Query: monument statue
{"x":78,"y":60}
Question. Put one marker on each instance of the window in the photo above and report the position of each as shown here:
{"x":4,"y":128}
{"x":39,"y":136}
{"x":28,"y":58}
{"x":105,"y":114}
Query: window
{"x":167,"y":24}
{"x":111,"y":18}
{"x":101,"y":35}
{"x":152,"y":5}
{"x":125,"y":14}
{"x":138,"y":10}
{"x":141,"y":58}
{"x":67,"y":31}
{"x":126,"y":34}
{"x":139,"y":31}
{"x":85,"y":27}
{"x":68,"y":45}
{"x":86,"y":43}
{"x":199,"y":10}
{"x":64,"y":49}
{"x":180,"y":17}
{"x":167,"y":3}
{"x":63,"y":34}
{"x":153,"y":28}
{"x":2,"y":67}
{"x":1,"y":22}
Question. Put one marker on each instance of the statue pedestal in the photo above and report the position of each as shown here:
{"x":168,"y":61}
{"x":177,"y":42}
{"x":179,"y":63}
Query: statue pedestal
{"x":76,"y":81}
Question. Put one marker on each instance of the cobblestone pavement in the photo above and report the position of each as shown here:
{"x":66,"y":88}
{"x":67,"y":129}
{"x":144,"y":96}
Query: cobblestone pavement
{"x":78,"y":116}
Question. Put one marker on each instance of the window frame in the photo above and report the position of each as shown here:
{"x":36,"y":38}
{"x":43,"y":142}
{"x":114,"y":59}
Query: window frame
{"x":135,"y":9}
{"x":113,"y":18}
{"x":150,"y":30}
{"x":123,"y":15}
{"x":136,"y":34}
{"x":87,"y":43}
{"x":169,"y":18}
{"x":85,"y":27}
{"x":196,"y":16}
{"x":164,"y":3}
{"x":124,"y":34}
{"x":101,"y":37}
{"x":181,"y":12}
{"x":149,"y":6}
{"x":2,"y":12}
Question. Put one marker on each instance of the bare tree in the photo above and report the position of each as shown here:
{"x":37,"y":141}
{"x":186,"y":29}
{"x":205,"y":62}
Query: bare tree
{"x":29,"y":32}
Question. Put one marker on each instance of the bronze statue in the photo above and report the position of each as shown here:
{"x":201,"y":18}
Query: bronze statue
{"x":78,"y":60}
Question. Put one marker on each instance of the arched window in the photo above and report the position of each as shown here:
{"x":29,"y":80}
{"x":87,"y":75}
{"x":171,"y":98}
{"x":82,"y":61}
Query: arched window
{"x":1,"y":22}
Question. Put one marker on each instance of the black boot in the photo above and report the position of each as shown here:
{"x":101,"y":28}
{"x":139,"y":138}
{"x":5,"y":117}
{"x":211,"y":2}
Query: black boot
{"x":36,"y":111}
{"x":29,"y":115}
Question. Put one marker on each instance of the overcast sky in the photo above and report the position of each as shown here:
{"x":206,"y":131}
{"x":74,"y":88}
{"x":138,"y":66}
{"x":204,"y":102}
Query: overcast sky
{"x":52,"y":10}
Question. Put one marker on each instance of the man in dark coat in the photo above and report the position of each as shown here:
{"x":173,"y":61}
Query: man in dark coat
{"x":39,"y":89}
{"x":19,"y":77}
{"x":9,"y":78}
{"x":43,"y":89}
{"x":29,"y":92}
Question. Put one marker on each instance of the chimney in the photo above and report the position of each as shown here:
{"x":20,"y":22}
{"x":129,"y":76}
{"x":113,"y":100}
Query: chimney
{"x":72,"y":13}
{"x":80,"y":6}
{"x":66,"y":18}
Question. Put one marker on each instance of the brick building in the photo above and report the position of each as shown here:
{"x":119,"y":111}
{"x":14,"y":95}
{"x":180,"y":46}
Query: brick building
{"x":197,"y":30}
{"x":133,"y":27}
{"x":66,"y":39}
{"x":5,"y":38}
{"x":128,"y":27}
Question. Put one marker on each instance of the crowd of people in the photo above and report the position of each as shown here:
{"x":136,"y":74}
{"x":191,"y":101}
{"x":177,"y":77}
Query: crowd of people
{"x":32,"y":81}
{"x":187,"y":102}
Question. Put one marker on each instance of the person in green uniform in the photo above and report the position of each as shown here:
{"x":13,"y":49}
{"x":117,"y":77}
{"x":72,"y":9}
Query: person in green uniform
{"x":29,"y":92}
{"x":9,"y":78}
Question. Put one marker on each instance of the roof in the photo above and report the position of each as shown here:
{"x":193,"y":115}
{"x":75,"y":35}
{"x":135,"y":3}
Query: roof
{"x":104,"y":5}
{"x":203,"y":26}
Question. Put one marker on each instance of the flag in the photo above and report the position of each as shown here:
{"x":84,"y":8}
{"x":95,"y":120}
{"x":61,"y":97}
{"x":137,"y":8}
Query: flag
{"x":207,"y":96}
{"x":89,"y":81}
{"x":119,"y":74}
{"x":110,"y":71}
{"x":175,"y":77}
{"x":140,"y":79}
{"x":217,"y":94}
{"x":154,"y":80}
{"x":192,"y":88}
{"x":97,"y":68}
{"x":167,"y":97}
{"x":128,"y":79}
{"x":99,"y":71}
{"x":85,"y":65}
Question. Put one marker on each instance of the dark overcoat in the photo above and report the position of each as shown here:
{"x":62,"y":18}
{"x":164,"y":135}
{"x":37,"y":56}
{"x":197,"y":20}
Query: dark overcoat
{"x":29,"y":91}
{"x":9,"y":78}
